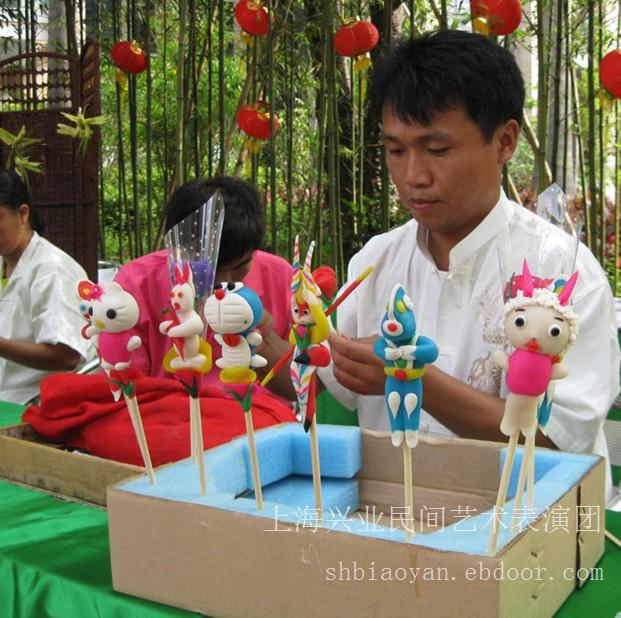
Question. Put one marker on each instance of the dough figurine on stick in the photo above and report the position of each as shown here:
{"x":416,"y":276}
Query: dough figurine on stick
{"x":540,"y":325}
{"x":192,"y":247}
{"x":405,"y":354}
{"x":190,"y":354}
{"x":113,"y":313}
{"x":233,"y":311}
{"x":310,"y":329}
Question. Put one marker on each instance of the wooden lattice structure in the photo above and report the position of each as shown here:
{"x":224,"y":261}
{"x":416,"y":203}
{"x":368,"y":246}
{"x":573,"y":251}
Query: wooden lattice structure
{"x":34,"y":89}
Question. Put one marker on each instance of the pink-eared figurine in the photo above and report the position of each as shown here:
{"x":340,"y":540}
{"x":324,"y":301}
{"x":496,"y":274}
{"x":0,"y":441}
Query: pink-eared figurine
{"x":311,"y":327}
{"x":114,"y":312}
{"x":189,"y":350}
{"x":541,"y":326}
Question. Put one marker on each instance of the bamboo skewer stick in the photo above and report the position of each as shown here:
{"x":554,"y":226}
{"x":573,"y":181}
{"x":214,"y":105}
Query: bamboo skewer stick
{"x":316,"y":468}
{"x":502,"y":491}
{"x":195,"y":413}
{"x":407,"y":489}
{"x":134,"y":415}
{"x":252,"y":447}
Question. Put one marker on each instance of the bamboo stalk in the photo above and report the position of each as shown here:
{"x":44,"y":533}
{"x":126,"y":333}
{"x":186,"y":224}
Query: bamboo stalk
{"x":542,"y":101}
{"x":179,"y":173}
{"x":149,"y":126}
{"x":556,"y":96}
{"x":221,"y":110}
{"x":591,"y":220}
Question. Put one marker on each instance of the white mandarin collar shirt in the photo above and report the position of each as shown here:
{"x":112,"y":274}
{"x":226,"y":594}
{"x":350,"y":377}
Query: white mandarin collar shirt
{"x":461,"y":311}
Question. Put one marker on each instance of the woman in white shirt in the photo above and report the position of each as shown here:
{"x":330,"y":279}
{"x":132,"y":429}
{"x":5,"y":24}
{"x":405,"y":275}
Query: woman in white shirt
{"x":39,"y":314}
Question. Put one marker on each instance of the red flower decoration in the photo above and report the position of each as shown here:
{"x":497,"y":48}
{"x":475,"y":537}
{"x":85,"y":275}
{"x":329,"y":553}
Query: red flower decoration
{"x":125,"y":376}
{"x":325,"y":278}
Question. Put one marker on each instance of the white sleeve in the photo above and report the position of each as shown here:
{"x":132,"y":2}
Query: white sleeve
{"x":583,"y":398}
{"x":54,"y":311}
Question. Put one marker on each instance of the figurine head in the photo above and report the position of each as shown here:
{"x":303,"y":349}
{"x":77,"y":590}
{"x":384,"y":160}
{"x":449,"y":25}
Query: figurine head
{"x":183,"y":293}
{"x":399,"y":322}
{"x":112,"y":309}
{"x":233,"y":309}
{"x":302,"y":284}
{"x":540,"y":320}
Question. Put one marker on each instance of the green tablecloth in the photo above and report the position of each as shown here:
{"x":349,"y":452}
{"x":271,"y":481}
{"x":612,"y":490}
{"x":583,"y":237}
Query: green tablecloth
{"x":54,"y":562}
{"x":10,"y":413}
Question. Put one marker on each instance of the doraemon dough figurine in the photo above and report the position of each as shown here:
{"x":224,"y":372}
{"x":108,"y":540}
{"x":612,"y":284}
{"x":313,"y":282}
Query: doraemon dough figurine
{"x":233,"y":311}
{"x":405,"y":355}
{"x":189,"y":351}
{"x":113,"y":313}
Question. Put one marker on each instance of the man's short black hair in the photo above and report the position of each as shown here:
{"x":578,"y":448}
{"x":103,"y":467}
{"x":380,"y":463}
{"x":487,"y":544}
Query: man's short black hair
{"x":243,"y":213}
{"x":420,"y":77}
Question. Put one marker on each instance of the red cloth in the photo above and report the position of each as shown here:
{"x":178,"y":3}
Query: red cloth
{"x":79,"y":411}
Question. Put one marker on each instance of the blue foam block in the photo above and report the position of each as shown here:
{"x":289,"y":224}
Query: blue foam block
{"x":274,"y":454}
{"x":339,"y":451}
{"x":297,"y":491}
{"x":288,"y":452}
{"x":545,"y":462}
{"x":227,"y":477}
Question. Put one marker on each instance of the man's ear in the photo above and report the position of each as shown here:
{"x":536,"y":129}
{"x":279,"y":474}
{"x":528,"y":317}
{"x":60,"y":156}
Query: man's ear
{"x":506,"y":138}
{"x":24,"y":213}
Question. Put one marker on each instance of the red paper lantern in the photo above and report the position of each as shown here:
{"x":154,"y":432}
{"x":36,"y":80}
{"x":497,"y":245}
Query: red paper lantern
{"x":355,"y":38}
{"x":610,"y":72}
{"x":252,"y":17}
{"x":129,"y":56}
{"x":254,"y":120}
{"x":503,"y":16}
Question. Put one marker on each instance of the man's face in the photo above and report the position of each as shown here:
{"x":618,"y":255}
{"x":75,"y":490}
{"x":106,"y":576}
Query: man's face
{"x":235,"y":270}
{"x":446,"y":174}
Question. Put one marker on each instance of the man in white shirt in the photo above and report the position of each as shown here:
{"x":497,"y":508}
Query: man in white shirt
{"x":451,"y":108}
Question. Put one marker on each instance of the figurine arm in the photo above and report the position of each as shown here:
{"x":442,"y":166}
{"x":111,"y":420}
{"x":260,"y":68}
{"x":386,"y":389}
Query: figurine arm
{"x":559,"y":371}
{"x":254,"y":338}
{"x":164,"y":326}
{"x":134,"y":343}
{"x":189,"y":328}
{"x":501,"y":359}
{"x":425,"y":350}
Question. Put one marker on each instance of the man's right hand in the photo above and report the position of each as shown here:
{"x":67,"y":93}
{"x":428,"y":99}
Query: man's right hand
{"x":356,"y":366}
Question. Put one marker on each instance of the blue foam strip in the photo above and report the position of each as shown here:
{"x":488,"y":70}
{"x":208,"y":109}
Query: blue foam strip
{"x":274,"y":454}
{"x":288,"y":500}
{"x":297,"y":491}
{"x":339,"y":451}
{"x":545,"y":462}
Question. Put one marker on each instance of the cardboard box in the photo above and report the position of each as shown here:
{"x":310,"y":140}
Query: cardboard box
{"x":224,"y":560}
{"x":26,"y":458}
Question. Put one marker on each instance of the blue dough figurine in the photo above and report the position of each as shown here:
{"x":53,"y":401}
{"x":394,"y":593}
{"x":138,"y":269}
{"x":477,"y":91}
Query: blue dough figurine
{"x":405,"y":355}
